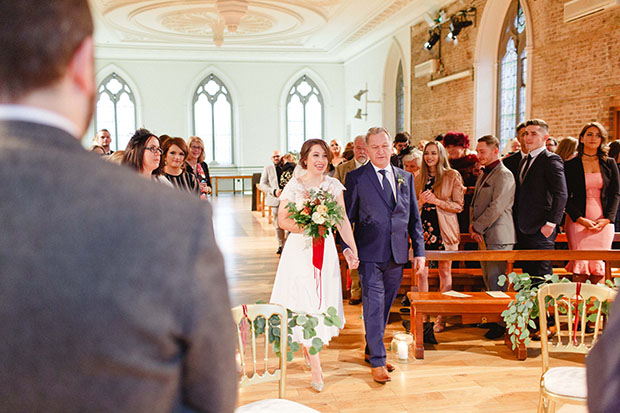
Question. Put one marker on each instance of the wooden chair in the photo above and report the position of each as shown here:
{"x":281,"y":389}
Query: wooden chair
{"x":250,"y":313}
{"x":568,"y":384}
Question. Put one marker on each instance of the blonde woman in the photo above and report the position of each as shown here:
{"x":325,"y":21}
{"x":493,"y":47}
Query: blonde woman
{"x":440,"y":197}
{"x":196,"y":156}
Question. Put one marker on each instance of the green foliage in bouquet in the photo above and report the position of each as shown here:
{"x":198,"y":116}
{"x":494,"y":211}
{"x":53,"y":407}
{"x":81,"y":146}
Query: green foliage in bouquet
{"x":318,"y":214}
{"x":307,"y":323}
{"x":521,"y":312}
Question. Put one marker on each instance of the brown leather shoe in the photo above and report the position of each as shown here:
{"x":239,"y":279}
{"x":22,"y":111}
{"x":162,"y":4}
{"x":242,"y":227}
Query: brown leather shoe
{"x":390,"y":368}
{"x":379,"y":374}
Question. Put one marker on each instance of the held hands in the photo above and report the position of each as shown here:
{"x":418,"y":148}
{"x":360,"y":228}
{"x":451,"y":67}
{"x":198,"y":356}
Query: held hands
{"x":594,"y":225}
{"x":352,"y":260}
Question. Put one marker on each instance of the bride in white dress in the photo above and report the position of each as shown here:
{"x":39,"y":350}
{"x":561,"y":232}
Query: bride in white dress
{"x":295,"y":287}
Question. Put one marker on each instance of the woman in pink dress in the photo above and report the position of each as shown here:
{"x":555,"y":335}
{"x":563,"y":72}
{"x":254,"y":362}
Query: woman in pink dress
{"x":593,"y":194}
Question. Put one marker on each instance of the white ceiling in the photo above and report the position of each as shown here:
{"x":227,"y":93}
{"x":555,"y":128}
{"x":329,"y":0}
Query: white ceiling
{"x":281,"y":30}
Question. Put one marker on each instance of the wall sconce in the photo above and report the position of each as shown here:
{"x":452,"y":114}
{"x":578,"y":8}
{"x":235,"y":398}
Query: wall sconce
{"x":358,"y":96}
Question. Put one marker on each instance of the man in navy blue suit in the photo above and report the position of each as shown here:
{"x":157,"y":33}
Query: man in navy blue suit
{"x":381,"y":203}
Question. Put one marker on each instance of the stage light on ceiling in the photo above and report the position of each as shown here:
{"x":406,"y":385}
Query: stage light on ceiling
{"x":434,"y":36}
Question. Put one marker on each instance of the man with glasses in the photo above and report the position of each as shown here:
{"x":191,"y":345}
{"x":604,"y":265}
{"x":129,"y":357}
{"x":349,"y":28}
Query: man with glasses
{"x":270,"y":185}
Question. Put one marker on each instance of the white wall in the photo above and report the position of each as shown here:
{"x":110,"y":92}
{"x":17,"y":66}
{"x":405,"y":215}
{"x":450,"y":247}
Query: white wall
{"x":377,"y":67}
{"x":164,"y":92}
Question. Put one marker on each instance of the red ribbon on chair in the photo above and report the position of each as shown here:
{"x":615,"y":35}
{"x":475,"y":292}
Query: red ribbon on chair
{"x":244,"y":325}
{"x":577,"y":314}
{"x":318,"y":250}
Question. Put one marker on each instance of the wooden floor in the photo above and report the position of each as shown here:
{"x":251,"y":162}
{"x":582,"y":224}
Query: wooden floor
{"x":464,"y":373}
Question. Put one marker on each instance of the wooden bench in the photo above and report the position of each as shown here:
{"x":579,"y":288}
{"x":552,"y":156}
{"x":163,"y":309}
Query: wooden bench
{"x":479,"y":308}
{"x":216,"y":179}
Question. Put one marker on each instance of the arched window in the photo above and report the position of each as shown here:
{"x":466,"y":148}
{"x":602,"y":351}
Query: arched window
{"x":512,"y":74}
{"x":400,"y":99}
{"x":116,"y":111}
{"x":304,"y":113}
{"x":213,"y":120}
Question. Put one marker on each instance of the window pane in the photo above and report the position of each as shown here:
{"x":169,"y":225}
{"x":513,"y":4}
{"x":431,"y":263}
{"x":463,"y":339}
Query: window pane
{"x":212,"y":87}
{"x":508,"y":93}
{"x":114,"y":86}
{"x":203,"y":126}
{"x":314,"y":122}
{"x":400,"y":100}
{"x":126,"y":120}
{"x":223,"y":131}
{"x":295,"y":116}
{"x":104,"y":118}
{"x":304,"y":88}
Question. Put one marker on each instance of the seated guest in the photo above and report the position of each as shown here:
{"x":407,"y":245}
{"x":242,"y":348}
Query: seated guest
{"x":593,"y":193}
{"x":551,"y":144}
{"x":196,"y":157}
{"x":439,"y":190}
{"x":456,"y":144}
{"x":98,"y":149}
{"x":491,"y":215}
{"x":567,"y":148}
{"x":144,"y":154}
{"x":412,"y":161}
{"x":401,"y":148}
{"x":173,"y":165}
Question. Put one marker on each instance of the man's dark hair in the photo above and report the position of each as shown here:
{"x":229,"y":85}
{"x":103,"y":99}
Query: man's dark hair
{"x":520,"y":126}
{"x":538,"y":122}
{"x":402,"y":137}
{"x":489,"y":140}
{"x":37,"y":42}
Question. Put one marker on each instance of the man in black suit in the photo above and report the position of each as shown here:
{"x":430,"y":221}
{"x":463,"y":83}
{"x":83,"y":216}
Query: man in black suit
{"x":540,"y":197}
{"x":513,"y":160}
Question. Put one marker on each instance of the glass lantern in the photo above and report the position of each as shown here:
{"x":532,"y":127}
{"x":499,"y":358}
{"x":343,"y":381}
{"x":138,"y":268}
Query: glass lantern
{"x":402,"y":347}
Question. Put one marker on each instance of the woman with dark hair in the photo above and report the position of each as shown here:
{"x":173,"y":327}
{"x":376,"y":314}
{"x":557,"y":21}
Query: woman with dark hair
{"x":439,"y":190}
{"x":143,"y":154}
{"x":299,"y":286}
{"x":593,"y":193}
{"x":196,"y":157}
{"x":173,"y":165}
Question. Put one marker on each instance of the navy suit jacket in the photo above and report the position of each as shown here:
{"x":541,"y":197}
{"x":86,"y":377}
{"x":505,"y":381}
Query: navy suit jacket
{"x":380,"y":232}
{"x":542,"y":195}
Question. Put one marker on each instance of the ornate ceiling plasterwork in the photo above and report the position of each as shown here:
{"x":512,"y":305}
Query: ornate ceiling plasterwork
{"x":389,"y":11}
{"x":199,"y":22}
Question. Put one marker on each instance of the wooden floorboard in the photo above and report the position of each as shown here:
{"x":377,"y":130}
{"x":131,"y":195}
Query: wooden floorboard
{"x":464,"y":372}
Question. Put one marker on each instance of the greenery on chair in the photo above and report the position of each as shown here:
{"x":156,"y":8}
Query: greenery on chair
{"x":307,"y":322}
{"x":523,"y":310}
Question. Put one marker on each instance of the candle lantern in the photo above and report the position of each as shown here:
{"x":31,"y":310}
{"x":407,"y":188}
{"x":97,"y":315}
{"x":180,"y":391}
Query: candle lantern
{"x":402,"y":347}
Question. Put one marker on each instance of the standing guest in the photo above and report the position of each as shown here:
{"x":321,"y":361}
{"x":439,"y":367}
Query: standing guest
{"x":143,"y":153}
{"x":513,"y":160}
{"x":196,"y":157}
{"x":109,"y":301}
{"x":401,"y":146}
{"x":296,"y":286}
{"x":593,"y":193}
{"x":360,"y":158}
{"x":288,"y":169}
{"x":540,"y":196}
{"x":172,"y":165}
{"x":381,"y":202}
{"x":337,"y":158}
{"x":440,"y":197}
{"x":491,"y":215}
{"x":348,"y":146}
{"x":456,"y":144}
{"x":567,"y":148}
{"x":614,"y":153}
{"x":551,"y":144}
{"x":412,"y":161}
{"x":98,"y":149}
{"x":103,"y":139}
{"x":270,"y":185}
{"x":421,"y":144}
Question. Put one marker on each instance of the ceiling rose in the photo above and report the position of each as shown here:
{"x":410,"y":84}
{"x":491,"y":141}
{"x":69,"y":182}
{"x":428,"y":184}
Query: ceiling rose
{"x":231,"y":12}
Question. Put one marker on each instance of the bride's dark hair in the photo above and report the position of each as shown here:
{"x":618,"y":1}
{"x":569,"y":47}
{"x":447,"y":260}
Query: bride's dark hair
{"x":305,"y":151}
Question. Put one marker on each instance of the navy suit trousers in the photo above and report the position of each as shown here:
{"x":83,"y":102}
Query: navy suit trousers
{"x":380,"y":283}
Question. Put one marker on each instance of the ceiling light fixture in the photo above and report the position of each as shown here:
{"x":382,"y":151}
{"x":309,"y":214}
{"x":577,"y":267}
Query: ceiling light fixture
{"x":457,"y":23}
{"x":232,"y":11}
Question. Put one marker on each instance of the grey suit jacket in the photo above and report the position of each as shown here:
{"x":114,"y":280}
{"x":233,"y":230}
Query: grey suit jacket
{"x":113,"y":295}
{"x":491,"y":206}
{"x":268,"y":183}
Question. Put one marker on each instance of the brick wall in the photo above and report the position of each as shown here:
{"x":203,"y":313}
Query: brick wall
{"x":575,"y":72}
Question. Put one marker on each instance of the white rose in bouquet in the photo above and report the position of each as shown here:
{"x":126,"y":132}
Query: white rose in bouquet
{"x":318,"y":218}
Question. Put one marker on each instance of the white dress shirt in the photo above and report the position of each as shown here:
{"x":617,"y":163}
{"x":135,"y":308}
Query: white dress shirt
{"x":37,"y":115}
{"x":389,"y":175}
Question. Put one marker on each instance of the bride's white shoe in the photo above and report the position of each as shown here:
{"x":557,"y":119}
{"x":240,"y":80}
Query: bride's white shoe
{"x":318,"y":387}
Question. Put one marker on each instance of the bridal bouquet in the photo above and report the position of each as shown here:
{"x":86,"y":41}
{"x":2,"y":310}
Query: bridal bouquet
{"x":317,"y":215}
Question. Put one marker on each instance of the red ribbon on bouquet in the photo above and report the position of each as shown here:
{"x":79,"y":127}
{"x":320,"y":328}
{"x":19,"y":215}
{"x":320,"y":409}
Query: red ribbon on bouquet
{"x":318,"y":250}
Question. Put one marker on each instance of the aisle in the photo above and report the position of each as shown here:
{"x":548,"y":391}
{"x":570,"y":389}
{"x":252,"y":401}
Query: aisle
{"x":464,"y":373}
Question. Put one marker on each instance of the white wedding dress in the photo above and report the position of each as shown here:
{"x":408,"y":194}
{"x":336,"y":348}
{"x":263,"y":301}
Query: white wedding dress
{"x":295,"y":287}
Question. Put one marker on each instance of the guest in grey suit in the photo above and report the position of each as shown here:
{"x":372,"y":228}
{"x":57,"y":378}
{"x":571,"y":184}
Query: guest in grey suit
{"x":270,"y":185}
{"x":491,"y":214}
{"x":110,"y":300}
